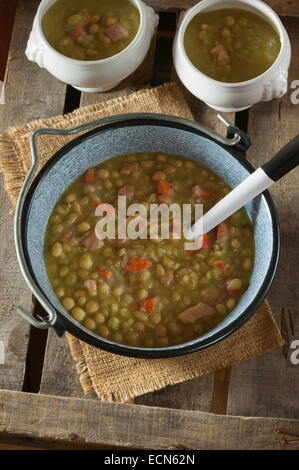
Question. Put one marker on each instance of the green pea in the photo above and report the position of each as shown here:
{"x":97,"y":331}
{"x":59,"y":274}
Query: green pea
{"x":113,"y":323}
{"x":71,"y":279}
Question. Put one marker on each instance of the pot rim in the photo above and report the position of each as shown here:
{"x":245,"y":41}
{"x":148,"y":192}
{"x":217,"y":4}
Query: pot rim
{"x":78,"y":330}
{"x":258,"y":5}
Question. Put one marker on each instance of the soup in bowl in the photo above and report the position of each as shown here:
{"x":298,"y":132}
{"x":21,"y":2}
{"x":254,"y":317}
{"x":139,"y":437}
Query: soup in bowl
{"x":89,"y":29}
{"x":231,"y":45}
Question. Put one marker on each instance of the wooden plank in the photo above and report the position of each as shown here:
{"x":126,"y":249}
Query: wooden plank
{"x":282,"y":7}
{"x":58,"y":360}
{"x":93,"y":422}
{"x":192,"y":395}
{"x":269,"y":384}
{"x":22,"y":79}
{"x":13,"y":332}
{"x":6,"y":24}
{"x":220,"y":390}
{"x":13,"y":446}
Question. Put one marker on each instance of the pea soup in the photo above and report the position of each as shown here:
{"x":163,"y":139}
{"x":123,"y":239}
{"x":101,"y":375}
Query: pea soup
{"x":90,"y":29}
{"x":146,"y":292}
{"x":231,"y":45}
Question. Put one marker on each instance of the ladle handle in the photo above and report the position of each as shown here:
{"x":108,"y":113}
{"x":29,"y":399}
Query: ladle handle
{"x":283,"y":161}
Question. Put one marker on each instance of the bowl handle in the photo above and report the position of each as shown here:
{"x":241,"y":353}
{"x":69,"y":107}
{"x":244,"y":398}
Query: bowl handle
{"x":233,"y":139}
{"x":34,"y":49}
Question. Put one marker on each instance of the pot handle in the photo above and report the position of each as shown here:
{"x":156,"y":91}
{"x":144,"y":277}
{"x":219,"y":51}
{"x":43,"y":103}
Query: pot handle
{"x":244,"y":143}
{"x":233,"y":139}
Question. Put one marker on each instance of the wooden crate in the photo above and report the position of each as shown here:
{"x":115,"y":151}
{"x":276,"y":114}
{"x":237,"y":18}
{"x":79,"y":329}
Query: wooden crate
{"x":252,"y":405}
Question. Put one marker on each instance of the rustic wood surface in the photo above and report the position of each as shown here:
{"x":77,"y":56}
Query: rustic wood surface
{"x":8,"y":8}
{"x":282,"y":7}
{"x":265,"y":386}
{"x":115,"y":425}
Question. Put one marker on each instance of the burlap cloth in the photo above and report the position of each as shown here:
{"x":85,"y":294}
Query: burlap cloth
{"x":114,"y":377}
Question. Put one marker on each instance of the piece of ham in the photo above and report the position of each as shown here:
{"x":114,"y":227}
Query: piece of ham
{"x":200,"y":191}
{"x":220,"y":54}
{"x":127,"y":191}
{"x":167,"y":279}
{"x":104,"y":210}
{"x":116,"y":32}
{"x":91,"y":286}
{"x":129,"y":167}
{"x":92,"y":242}
{"x":200,"y":310}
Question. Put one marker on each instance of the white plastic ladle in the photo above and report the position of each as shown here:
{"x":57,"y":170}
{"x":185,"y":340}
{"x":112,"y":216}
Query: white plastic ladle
{"x":281,"y":163}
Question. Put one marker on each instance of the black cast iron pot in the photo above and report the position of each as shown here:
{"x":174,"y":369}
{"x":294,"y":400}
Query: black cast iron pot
{"x":138,"y":133}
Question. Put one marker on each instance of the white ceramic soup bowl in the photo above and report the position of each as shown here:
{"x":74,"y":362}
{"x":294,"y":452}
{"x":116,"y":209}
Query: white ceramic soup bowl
{"x":97,"y":75}
{"x":231,"y":97}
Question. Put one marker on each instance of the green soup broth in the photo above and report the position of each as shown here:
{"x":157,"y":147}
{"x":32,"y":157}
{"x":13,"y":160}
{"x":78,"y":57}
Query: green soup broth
{"x":231,"y":45}
{"x":90,"y":29}
{"x":146,"y":292}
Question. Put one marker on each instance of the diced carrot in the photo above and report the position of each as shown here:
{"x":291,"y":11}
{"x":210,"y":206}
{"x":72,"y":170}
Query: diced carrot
{"x":136,"y":264}
{"x":206,"y":241}
{"x":105,"y":274}
{"x":96,"y":204}
{"x":219,"y":265}
{"x":79,"y":30}
{"x":66,"y":237}
{"x":232,"y":292}
{"x":222,"y":231}
{"x":162,"y":187}
{"x":90,"y":175}
{"x":89,"y":19}
{"x":148,"y":304}
{"x":205,"y":244}
{"x":222,"y":294}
